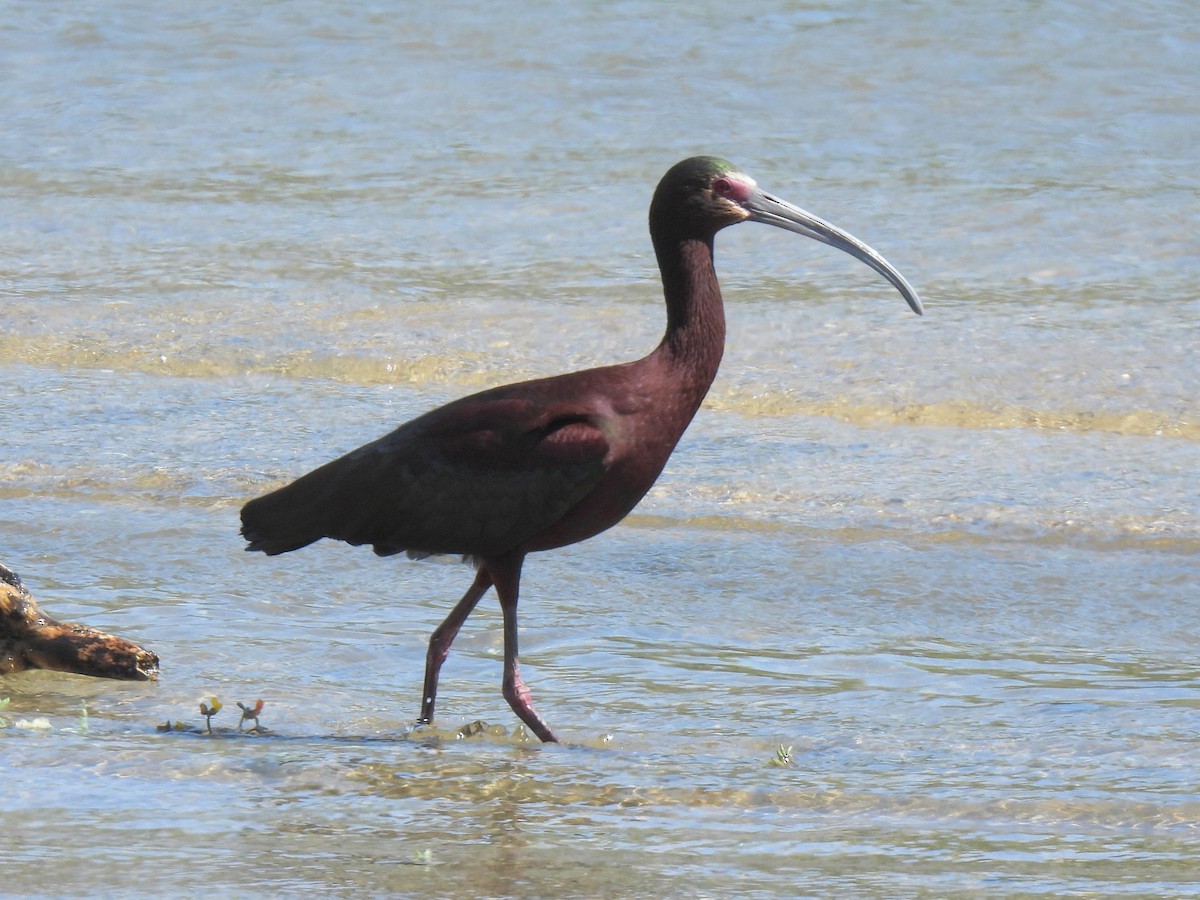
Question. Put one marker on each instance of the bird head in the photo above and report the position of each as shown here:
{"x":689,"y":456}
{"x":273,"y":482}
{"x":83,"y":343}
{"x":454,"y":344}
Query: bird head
{"x":700,"y":196}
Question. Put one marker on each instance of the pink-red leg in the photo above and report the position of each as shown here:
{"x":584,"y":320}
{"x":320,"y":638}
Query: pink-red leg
{"x":506,"y":576}
{"x":443,"y":636}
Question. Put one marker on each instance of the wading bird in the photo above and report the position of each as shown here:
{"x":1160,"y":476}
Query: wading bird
{"x":545,"y":463}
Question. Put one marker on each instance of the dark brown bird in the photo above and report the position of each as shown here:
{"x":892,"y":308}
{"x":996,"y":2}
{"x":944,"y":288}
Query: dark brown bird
{"x":545,"y":463}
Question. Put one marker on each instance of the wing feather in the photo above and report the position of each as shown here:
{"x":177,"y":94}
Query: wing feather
{"x":476,"y":477}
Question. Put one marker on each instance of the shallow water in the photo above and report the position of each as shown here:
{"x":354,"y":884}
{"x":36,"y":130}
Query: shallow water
{"x":950,"y":562}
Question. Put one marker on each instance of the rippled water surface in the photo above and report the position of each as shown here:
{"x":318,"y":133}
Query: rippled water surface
{"x":913,"y":610}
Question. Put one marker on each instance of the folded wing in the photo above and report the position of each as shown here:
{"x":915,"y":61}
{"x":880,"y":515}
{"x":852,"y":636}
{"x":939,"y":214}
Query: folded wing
{"x":477,"y":477}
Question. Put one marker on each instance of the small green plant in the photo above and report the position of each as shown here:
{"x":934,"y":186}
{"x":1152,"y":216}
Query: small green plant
{"x":209,"y":709}
{"x":782,"y":757}
{"x":4,"y":703}
{"x":250,"y":712}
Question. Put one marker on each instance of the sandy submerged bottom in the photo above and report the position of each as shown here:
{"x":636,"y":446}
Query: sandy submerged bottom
{"x":886,"y":710}
{"x":878,"y":634}
{"x":911,"y":613}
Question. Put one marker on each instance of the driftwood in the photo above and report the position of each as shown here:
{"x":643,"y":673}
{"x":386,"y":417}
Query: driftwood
{"x":30,"y":639}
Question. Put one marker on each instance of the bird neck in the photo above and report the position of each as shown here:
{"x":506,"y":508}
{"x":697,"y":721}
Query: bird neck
{"x":695,"y":336}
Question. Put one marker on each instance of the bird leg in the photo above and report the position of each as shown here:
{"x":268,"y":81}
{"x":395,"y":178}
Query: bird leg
{"x":506,"y":575}
{"x":443,"y":636}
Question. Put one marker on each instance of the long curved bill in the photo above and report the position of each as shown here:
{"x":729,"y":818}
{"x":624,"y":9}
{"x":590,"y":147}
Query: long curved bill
{"x":763,"y":207}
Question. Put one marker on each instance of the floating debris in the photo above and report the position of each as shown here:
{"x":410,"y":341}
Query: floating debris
{"x":30,"y":639}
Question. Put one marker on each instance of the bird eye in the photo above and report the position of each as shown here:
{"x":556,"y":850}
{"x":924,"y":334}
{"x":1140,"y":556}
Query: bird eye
{"x":723,"y":186}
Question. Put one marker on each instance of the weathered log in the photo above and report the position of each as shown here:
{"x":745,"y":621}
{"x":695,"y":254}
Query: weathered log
{"x":30,"y":639}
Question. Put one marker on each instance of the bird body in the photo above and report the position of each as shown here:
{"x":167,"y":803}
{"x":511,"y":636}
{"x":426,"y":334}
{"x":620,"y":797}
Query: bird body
{"x":549,"y":462}
{"x":524,"y":467}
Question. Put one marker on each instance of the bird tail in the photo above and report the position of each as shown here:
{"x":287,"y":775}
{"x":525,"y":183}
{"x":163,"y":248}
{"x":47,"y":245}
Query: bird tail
{"x":283,"y":520}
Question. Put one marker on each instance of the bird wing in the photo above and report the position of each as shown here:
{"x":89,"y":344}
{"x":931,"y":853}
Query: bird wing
{"x":477,"y":477}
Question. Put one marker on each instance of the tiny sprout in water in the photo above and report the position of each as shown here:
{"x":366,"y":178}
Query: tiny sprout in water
{"x":250,"y":712}
{"x":782,"y":757}
{"x":209,"y":709}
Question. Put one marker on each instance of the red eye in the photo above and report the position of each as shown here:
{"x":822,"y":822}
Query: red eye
{"x":723,"y":186}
